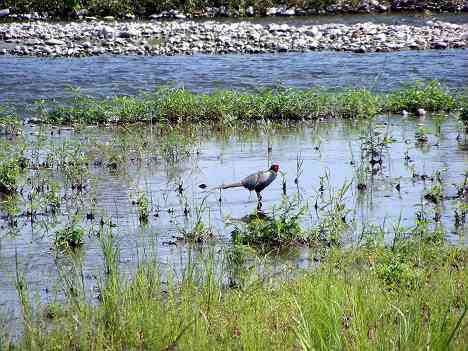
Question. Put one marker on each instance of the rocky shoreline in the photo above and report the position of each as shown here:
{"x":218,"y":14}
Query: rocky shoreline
{"x":76,"y":39}
{"x":143,"y":9}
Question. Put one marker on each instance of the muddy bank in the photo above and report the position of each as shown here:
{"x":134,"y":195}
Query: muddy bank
{"x":188,"y":37}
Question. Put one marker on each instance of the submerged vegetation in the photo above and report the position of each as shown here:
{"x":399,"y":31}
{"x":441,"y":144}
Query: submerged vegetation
{"x":174,"y":105}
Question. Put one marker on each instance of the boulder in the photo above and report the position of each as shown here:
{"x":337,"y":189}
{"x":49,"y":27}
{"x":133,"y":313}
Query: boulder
{"x":272,"y":11}
{"x":4,"y":13}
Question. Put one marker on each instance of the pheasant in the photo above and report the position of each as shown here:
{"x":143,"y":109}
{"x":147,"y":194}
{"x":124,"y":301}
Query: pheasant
{"x":256,"y":181}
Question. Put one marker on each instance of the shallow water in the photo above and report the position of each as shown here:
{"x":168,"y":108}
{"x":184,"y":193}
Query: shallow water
{"x":329,"y":145}
{"x":324,"y":147}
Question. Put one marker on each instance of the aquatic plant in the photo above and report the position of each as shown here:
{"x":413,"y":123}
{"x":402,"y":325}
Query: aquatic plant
{"x":430,"y":97}
{"x":70,"y":237}
{"x":195,"y":230}
{"x":143,"y":207}
{"x":9,"y":122}
{"x":435,"y":194}
{"x":9,"y":176}
{"x":464,"y":111}
{"x":421,"y":135}
{"x":281,"y":228}
{"x":177,"y":105}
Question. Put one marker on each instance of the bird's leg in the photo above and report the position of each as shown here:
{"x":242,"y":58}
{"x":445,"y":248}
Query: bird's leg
{"x":259,"y":197}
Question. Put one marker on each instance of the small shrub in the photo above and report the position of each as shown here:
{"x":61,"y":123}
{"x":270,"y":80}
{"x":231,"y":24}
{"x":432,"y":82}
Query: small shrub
{"x":70,"y":237}
{"x":280,"y":229}
{"x":9,"y":123}
{"x":430,"y":97}
{"x":199,"y":233}
{"x":9,"y":174}
{"x":435,"y":194}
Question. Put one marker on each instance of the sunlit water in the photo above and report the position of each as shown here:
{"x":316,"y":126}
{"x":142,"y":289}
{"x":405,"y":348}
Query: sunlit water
{"x":331,"y":147}
{"x":24,"y":80}
{"x":325,"y":148}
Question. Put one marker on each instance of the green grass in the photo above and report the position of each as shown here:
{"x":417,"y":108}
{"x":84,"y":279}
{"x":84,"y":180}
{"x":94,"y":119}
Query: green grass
{"x":282,"y":228}
{"x":70,"y":237}
{"x":431,"y":97}
{"x":178,"y":105}
{"x":9,"y":176}
{"x":412,"y":295}
{"x":63,"y":8}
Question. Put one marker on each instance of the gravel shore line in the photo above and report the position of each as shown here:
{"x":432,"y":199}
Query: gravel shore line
{"x":77,"y":39}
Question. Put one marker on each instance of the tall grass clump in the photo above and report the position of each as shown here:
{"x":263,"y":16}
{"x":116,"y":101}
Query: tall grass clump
{"x":429,"y":96}
{"x":372,"y":297}
{"x":178,"y":105}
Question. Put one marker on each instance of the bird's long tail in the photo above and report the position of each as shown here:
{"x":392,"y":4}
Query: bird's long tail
{"x":231,"y":185}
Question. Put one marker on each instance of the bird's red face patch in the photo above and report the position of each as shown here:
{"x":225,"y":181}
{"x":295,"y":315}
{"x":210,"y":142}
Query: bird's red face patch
{"x":275,"y":168}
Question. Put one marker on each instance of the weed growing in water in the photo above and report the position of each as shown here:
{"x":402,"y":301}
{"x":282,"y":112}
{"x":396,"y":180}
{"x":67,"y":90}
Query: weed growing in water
{"x":9,"y":123}
{"x":143,"y":208}
{"x":435,"y":194}
{"x":280,"y":229}
{"x":176,"y":105}
{"x":70,"y":237}
{"x":430,"y":97}
{"x":9,"y":176}
{"x":464,"y":112}
{"x":195,"y":230}
{"x":421,"y":135}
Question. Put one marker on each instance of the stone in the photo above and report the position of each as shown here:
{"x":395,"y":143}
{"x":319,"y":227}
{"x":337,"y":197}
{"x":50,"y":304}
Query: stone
{"x":109,"y":18}
{"x":282,"y":47}
{"x":249,"y":11}
{"x":130,"y":33}
{"x":420,"y":112}
{"x":440,"y":45}
{"x":381,"y":8}
{"x":107,"y":31}
{"x":82,"y":13}
{"x":287,"y":12}
{"x":272,"y":11}
{"x":32,"y":42}
{"x":4,"y":12}
{"x":54,"y":42}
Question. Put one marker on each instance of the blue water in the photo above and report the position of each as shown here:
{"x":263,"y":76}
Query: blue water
{"x":25,"y":79}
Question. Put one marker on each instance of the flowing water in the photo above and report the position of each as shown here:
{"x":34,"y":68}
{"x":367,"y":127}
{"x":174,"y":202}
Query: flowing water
{"x":27,"y":79}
